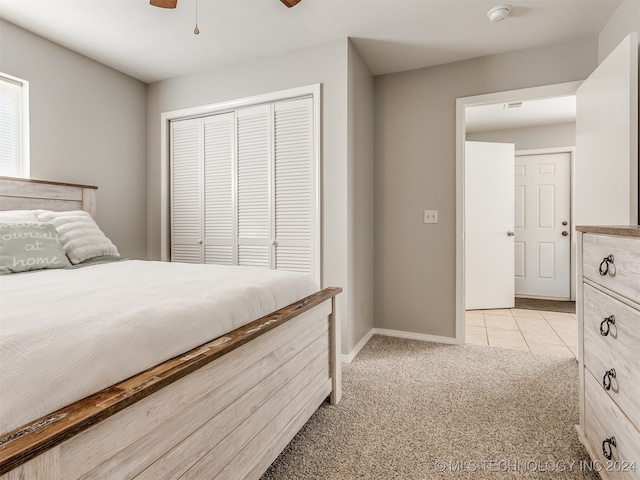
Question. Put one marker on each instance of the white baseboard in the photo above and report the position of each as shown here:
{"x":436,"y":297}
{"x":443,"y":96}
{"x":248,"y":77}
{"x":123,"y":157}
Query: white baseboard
{"x":348,"y":358}
{"x":414,"y":336}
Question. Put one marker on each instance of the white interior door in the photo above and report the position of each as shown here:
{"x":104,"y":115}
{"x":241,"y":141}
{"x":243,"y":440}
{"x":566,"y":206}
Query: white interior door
{"x":542,"y":225}
{"x":606,"y":170}
{"x":489,"y":215}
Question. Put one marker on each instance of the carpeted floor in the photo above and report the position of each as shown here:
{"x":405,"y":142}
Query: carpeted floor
{"x":421,"y":410}
{"x":546,"y":305}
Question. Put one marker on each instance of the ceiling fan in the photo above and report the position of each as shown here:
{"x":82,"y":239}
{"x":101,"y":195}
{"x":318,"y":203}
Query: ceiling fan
{"x":173,"y":3}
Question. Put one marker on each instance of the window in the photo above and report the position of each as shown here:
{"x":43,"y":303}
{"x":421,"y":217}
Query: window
{"x":14,"y":127}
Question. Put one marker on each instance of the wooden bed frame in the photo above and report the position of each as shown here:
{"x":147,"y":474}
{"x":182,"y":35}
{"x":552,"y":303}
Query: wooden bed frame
{"x":224,"y":410}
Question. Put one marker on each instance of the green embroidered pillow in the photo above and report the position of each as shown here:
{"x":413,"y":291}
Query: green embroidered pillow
{"x":30,"y":246}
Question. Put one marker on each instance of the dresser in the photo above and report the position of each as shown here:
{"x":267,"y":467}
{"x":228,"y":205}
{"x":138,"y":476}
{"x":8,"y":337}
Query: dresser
{"x":608,"y":301}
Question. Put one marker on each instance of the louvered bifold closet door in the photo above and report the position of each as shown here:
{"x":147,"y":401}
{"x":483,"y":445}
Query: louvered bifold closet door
{"x":219,"y":216}
{"x":186,"y":191}
{"x":294,"y":207}
{"x":254,"y":146}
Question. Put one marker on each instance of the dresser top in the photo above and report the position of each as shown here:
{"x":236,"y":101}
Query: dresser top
{"x":623,"y":231}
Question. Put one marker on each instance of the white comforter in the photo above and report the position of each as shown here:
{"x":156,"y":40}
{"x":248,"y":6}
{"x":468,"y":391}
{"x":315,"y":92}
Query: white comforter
{"x":65,"y":334}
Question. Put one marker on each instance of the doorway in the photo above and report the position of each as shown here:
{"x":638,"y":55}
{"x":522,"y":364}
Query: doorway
{"x":526,"y":195}
{"x":501,"y":98}
{"x":607,"y":115}
{"x":518,"y":215}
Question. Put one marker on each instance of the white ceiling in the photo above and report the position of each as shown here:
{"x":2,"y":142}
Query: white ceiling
{"x":153,"y":44}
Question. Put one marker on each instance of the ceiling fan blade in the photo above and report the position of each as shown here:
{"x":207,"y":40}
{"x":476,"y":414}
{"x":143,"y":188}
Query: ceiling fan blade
{"x":290,"y":3}
{"x":164,"y":3}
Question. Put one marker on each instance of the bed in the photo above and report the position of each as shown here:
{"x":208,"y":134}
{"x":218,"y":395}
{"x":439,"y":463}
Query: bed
{"x":243,"y":365}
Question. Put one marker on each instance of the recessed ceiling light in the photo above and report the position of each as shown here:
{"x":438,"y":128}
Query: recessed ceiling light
{"x":499,"y":13}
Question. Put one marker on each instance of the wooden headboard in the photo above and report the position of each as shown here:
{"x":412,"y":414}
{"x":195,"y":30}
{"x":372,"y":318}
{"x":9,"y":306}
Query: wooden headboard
{"x":25,"y":194}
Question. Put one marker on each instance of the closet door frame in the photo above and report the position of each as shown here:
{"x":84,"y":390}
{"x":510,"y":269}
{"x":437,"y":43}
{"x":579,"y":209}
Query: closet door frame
{"x":314,"y":91}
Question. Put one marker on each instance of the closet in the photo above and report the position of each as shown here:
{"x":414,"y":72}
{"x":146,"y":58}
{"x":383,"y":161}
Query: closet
{"x":244,"y":187}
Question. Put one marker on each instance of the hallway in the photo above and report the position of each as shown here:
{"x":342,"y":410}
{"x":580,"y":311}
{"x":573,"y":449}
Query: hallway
{"x":536,"y":331}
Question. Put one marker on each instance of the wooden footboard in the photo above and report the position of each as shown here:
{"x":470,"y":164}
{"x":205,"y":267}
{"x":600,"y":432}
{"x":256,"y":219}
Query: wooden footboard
{"x":224,"y":410}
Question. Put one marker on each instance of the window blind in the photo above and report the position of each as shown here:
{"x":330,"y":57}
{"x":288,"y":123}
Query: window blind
{"x":13,"y":137}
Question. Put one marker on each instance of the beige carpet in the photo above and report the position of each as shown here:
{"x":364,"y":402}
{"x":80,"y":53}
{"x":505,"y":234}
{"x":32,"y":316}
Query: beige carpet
{"x":420,"y":410}
{"x":547,"y":305}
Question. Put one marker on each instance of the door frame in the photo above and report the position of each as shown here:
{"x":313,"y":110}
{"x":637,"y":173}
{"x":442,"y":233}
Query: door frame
{"x":572,"y":248}
{"x":546,"y":91}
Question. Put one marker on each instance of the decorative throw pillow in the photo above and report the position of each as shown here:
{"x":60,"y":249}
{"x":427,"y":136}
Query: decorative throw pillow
{"x":18,"y":216}
{"x":80,"y":236}
{"x":30,"y":246}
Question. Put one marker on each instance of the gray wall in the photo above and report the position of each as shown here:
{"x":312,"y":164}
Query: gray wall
{"x":530,"y":138}
{"x":342,"y":156}
{"x":625,"y":20}
{"x":415,"y":169}
{"x":360,"y":222}
{"x":88,"y":126}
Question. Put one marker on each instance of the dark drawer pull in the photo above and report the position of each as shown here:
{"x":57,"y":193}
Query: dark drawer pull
{"x":606,"y":447}
{"x":606,"y":380}
{"x":604,"y":265}
{"x":605,"y":325}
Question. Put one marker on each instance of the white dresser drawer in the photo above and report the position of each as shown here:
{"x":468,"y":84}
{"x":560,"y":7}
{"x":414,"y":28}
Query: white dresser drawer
{"x":608,"y":302}
{"x":614,"y":358}
{"x":604,"y":420}
{"x":622,"y":274}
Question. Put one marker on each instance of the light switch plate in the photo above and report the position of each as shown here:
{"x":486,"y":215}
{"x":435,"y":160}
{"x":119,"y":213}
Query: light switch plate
{"x":431,"y":216}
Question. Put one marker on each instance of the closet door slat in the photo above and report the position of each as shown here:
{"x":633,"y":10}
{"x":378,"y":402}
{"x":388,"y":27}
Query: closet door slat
{"x":294,"y":184}
{"x":186,"y":190}
{"x":219,"y":214}
{"x":254,"y":177}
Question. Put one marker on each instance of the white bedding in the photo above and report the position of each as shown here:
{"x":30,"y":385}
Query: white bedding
{"x":65,"y":334}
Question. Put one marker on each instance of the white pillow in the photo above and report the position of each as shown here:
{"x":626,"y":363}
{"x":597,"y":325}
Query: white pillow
{"x":18,"y":216}
{"x":79,"y":234}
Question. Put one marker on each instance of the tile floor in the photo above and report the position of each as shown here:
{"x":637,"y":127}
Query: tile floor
{"x":528,"y":330}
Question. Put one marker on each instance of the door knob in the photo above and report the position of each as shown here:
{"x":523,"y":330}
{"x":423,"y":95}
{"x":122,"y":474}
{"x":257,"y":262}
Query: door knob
{"x":565,"y":233}
{"x":510,"y":233}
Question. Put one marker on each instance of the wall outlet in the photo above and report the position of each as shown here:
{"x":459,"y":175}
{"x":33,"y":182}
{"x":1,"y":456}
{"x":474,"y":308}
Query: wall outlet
{"x":361,"y":307}
{"x":431,"y":216}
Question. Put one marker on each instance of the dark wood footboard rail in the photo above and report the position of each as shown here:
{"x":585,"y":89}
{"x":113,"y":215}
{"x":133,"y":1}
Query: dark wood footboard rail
{"x":26,"y":443}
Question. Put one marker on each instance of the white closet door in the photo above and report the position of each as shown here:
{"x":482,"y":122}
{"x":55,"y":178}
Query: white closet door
{"x":254,"y":148}
{"x":294,"y":186}
{"x":186,"y":191}
{"x":219,"y":216}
